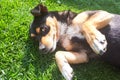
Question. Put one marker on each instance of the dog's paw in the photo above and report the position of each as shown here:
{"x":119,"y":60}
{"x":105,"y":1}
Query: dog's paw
{"x":67,"y":71}
{"x":99,"y":43}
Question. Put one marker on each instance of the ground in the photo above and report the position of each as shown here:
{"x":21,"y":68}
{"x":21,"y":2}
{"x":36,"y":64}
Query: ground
{"x":19,"y":56}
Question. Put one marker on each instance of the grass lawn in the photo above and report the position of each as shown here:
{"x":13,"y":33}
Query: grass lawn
{"x":19,"y":56}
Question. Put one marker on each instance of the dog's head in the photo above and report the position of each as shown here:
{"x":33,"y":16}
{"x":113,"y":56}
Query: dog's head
{"x":44,"y":28}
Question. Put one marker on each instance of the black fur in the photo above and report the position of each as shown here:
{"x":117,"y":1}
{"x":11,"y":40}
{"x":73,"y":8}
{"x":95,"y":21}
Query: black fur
{"x":112,"y":33}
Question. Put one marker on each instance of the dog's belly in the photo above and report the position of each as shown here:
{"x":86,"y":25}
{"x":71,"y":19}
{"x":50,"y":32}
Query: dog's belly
{"x":112,"y":33}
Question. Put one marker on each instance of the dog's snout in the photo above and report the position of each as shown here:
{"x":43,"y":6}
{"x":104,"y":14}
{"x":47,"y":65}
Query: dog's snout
{"x":41,"y":47}
{"x":103,"y":51}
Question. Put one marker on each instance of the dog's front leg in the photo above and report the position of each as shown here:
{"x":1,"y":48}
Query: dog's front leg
{"x":64,"y":59}
{"x":95,"y":38}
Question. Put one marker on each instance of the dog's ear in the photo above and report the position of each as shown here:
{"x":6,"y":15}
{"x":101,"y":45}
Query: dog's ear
{"x":38,"y":10}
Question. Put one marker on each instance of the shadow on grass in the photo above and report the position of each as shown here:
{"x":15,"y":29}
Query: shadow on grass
{"x":43,"y":65}
{"x":96,"y":70}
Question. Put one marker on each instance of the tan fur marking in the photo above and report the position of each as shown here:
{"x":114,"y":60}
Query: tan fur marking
{"x":38,"y":30}
{"x":100,"y":19}
{"x":66,"y":44}
{"x":47,"y":41}
{"x":70,"y":57}
{"x":57,"y":29}
{"x":89,"y":32}
{"x":50,"y":21}
{"x":32,"y":35}
{"x":80,"y":18}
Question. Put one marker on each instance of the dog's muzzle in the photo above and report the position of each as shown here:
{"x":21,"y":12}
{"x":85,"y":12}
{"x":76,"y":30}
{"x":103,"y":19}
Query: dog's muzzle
{"x":44,"y":49}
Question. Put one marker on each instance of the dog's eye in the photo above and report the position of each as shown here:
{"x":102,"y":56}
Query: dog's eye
{"x":45,"y":30}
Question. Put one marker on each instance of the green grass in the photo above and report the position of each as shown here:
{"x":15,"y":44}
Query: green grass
{"x":19,"y":56}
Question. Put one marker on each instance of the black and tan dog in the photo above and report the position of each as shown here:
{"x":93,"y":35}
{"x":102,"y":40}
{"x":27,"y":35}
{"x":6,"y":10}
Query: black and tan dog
{"x":76,"y":34}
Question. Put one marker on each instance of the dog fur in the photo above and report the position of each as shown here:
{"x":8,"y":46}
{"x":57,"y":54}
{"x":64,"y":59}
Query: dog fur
{"x":77,"y":35}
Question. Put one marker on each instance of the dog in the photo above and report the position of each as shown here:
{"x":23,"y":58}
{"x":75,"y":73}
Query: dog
{"x":76,"y":37}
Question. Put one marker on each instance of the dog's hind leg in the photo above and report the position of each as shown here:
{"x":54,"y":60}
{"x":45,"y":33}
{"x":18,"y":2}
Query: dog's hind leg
{"x":95,"y":38}
{"x":100,"y":19}
{"x":64,"y":59}
{"x":80,"y":18}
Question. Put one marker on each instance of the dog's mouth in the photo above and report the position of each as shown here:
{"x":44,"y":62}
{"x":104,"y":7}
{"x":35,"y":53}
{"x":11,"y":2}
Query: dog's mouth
{"x":46,"y":50}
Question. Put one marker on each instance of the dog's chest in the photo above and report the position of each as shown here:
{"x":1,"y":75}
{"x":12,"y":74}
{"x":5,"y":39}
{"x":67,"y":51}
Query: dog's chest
{"x":73,"y":40}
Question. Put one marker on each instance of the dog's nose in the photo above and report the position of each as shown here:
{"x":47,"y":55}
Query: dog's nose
{"x":102,"y":51}
{"x":41,"y":47}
